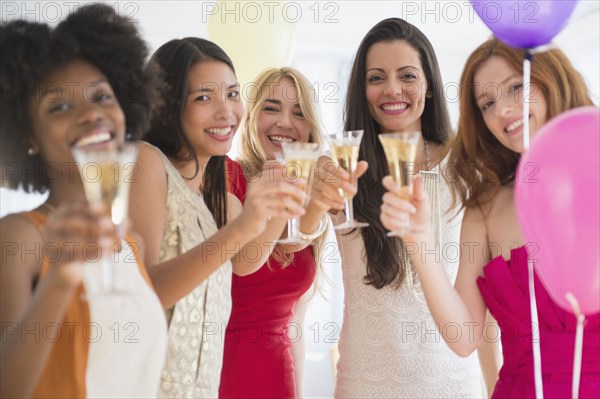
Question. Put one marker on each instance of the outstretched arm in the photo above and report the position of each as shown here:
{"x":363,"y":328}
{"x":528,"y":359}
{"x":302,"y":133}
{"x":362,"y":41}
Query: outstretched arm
{"x":177,"y":277}
{"x":254,"y":253}
{"x":462,"y":304}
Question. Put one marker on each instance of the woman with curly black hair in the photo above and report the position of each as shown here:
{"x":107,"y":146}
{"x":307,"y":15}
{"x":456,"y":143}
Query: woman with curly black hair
{"x":83,"y":83}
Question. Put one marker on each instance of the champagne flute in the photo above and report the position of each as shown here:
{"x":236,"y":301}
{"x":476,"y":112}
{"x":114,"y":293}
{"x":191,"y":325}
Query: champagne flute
{"x":106,"y":172}
{"x":299,"y":161}
{"x":344,"y":148}
{"x":401,"y":152}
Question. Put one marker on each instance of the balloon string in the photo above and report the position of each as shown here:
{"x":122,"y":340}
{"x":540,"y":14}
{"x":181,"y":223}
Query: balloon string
{"x":578,"y":344}
{"x":535,"y":341}
{"x":526,"y":99}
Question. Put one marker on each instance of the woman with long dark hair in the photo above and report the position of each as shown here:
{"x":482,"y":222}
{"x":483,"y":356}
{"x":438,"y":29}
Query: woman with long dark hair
{"x":389,"y":346}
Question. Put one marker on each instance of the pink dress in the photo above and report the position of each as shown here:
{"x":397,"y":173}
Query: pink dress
{"x":505,"y":290}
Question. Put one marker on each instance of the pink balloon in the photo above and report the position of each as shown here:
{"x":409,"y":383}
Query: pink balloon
{"x":557,"y":194}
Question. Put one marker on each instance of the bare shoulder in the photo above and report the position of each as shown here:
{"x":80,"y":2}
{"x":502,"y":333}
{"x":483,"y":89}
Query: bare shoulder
{"x":150,"y":158}
{"x":22,"y":246}
{"x":16,"y":227}
{"x":150,"y":173}
{"x":474,"y":217}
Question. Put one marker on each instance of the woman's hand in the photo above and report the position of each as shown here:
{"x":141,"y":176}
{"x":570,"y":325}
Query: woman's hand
{"x":271,"y":196}
{"x":410,"y":220}
{"x":330,"y":182}
{"x":75,"y":234}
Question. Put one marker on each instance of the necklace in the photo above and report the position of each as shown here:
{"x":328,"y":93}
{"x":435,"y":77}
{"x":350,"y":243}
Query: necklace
{"x":427,"y":159}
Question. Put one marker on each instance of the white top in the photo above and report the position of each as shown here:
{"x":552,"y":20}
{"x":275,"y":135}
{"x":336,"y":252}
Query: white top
{"x":389,"y":344}
{"x":127,"y":333}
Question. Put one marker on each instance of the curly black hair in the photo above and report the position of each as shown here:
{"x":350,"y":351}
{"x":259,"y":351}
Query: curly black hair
{"x":31,"y":51}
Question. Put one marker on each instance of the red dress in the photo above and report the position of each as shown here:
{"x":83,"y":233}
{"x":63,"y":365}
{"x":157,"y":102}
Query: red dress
{"x":506,"y":293}
{"x":258,"y":362}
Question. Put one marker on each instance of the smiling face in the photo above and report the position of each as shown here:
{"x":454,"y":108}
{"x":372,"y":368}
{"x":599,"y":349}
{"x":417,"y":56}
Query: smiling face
{"x":499,"y":96}
{"x":395,"y":86}
{"x":75,"y":106}
{"x":212,"y":110}
{"x":281,"y":119}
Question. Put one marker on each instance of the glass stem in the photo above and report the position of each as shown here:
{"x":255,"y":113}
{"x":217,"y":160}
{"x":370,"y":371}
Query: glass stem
{"x":292,"y":227}
{"x":349,"y":210}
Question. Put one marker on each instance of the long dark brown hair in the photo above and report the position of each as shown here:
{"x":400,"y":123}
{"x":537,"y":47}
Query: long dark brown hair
{"x":478,"y":163}
{"x":175,"y":58}
{"x":385,"y":264}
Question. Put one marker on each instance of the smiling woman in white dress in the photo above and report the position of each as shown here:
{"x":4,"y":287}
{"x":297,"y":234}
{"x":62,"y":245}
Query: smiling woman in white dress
{"x":389,"y":345}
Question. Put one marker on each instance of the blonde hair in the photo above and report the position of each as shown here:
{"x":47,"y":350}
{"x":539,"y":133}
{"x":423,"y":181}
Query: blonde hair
{"x":253,"y":155}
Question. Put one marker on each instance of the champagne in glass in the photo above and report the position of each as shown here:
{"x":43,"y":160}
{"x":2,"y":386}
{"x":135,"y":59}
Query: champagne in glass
{"x":344,"y":148}
{"x":299,"y":160}
{"x":401,"y":153}
{"x":106,"y":172}
{"x":346,"y":156}
{"x":300,"y":169}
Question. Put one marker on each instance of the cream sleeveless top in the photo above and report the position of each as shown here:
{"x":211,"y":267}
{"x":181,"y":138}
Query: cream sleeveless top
{"x":197,"y":322}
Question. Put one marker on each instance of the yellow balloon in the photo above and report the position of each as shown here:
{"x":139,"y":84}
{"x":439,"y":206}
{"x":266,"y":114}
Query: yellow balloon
{"x":255,"y":34}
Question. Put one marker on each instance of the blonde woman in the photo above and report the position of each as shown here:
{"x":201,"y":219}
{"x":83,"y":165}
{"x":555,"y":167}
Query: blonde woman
{"x":260,"y":359}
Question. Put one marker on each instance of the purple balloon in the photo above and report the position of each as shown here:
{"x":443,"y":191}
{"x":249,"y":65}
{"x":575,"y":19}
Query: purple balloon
{"x":524,"y":23}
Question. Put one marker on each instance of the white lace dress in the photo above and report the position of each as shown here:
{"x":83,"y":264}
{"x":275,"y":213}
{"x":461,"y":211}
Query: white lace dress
{"x":389,"y":344}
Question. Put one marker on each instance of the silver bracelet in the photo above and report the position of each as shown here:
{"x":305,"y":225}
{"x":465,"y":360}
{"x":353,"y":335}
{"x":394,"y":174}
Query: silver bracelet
{"x":320,"y":230}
